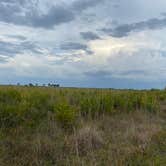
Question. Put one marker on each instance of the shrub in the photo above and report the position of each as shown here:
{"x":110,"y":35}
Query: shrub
{"x":9,"y":116}
{"x":10,"y":97}
{"x":65,"y":115}
{"x":89,"y":107}
{"x":38,"y":100}
{"x":151,"y":104}
{"x":106,"y":104}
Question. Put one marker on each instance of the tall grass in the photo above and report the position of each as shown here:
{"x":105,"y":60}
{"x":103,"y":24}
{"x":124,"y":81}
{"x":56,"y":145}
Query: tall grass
{"x":31,"y":105}
{"x":63,"y":126}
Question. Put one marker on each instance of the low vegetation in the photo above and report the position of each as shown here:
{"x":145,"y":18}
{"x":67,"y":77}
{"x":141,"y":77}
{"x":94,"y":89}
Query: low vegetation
{"x":47,"y":126}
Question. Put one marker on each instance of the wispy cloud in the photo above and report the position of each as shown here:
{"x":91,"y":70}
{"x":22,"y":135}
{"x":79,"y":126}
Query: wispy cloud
{"x":8,"y":49}
{"x":89,"y":35}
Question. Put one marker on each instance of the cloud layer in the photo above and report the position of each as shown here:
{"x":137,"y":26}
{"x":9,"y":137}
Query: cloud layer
{"x":125,"y":29}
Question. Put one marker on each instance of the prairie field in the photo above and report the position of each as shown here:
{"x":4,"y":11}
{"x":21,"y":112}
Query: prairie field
{"x":46,"y":126}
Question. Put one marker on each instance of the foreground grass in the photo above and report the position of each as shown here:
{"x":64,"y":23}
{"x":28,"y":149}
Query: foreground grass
{"x":46,"y":126}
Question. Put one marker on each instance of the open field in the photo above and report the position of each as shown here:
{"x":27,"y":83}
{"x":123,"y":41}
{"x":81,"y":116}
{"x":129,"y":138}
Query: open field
{"x":42,"y":126}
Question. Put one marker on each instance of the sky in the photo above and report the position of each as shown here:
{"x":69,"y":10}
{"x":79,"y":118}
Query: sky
{"x":84,"y":43}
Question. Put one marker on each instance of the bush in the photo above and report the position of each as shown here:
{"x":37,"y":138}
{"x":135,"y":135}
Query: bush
{"x":38,"y":100}
{"x":106,"y":104}
{"x":65,"y":115}
{"x":10,"y":116}
{"x":90,"y":106}
{"x":153,"y":105}
{"x":10,"y":97}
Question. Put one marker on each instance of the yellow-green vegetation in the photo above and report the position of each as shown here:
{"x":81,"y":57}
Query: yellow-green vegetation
{"x":42,"y":126}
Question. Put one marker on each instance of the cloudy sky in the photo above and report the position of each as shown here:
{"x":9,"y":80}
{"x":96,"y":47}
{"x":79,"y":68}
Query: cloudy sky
{"x":84,"y":43}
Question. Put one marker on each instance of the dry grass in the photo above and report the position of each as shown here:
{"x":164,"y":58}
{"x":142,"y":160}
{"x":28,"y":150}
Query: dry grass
{"x":85,"y":140}
{"x":115,"y":140}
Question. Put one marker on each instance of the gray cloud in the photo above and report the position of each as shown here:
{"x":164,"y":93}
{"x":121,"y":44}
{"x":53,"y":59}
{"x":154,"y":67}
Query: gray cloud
{"x":11,"y":13}
{"x":19,"y":37}
{"x":3,"y":59}
{"x":8,"y":49}
{"x":29,"y":46}
{"x":134,"y":72}
{"x":125,"y":29}
{"x":89,"y":36}
{"x":109,"y":74}
{"x":73,"y":46}
{"x":55,"y":16}
{"x":84,"y":4}
{"x":26,"y":12}
{"x":98,"y":74}
{"x":70,"y":46}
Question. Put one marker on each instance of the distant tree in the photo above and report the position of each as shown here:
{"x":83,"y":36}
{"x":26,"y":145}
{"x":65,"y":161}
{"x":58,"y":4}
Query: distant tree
{"x":53,"y":85}
{"x":30,"y":84}
{"x":153,"y":89}
{"x":57,"y":85}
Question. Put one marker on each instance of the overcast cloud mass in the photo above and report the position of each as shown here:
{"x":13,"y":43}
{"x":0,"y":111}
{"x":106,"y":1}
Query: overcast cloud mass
{"x":84,"y":43}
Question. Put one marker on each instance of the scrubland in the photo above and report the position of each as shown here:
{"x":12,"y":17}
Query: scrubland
{"x":41,"y":126}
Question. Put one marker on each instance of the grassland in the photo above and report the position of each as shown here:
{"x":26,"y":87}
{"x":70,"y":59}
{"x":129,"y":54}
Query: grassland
{"x":42,"y":126}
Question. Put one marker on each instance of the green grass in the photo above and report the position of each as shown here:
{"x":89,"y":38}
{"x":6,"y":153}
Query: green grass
{"x":67,"y":126}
